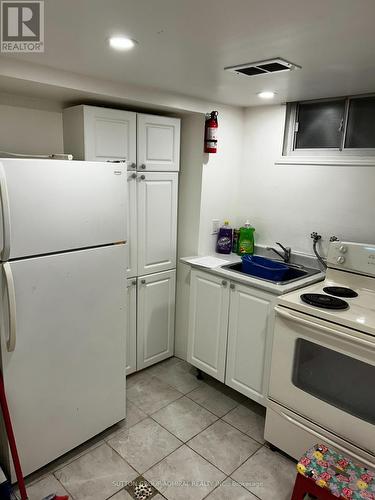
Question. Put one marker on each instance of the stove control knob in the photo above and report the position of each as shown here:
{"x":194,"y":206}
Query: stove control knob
{"x":343,"y":249}
{"x":340,"y":260}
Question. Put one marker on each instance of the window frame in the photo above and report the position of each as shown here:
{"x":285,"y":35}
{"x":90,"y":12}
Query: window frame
{"x":341,"y":155}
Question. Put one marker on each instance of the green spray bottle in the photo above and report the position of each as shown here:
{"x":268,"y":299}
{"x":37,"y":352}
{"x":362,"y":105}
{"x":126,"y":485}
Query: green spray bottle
{"x":246,"y":239}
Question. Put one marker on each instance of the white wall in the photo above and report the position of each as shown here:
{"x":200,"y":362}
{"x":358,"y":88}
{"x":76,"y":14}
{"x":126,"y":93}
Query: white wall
{"x":208,"y":190}
{"x":287,"y":203}
{"x":220,"y":177}
{"x":30,"y":131}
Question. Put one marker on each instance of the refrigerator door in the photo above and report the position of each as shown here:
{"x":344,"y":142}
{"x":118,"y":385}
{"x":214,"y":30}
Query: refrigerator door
{"x":65,"y":378}
{"x":50,"y":206}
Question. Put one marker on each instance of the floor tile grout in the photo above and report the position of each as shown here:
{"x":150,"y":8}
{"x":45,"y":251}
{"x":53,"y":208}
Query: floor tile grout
{"x":66,"y":489}
{"x":149,"y":414}
{"x":197,"y":452}
{"x":201,"y":406}
{"x":166,"y":456}
{"x":239,"y":430}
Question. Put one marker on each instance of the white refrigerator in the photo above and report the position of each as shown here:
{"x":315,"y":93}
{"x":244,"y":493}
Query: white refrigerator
{"x":63,"y":296}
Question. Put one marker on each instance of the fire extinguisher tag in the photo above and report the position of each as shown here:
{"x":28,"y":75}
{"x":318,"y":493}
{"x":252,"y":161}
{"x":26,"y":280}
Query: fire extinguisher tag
{"x":211,"y":134}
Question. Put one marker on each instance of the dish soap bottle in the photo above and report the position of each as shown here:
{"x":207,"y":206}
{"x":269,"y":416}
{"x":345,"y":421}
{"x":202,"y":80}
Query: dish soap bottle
{"x":224,"y":239}
{"x":236,"y":235}
{"x":246,"y":239}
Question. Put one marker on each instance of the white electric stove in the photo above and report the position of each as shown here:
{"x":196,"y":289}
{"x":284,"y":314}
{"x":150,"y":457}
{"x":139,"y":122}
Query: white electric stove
{"x":323,"y":361}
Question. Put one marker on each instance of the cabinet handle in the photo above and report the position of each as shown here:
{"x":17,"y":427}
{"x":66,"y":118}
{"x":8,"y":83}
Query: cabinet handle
{"x":133,"y":283}
{"x":143,"y":166}
{"x":143,"y":177}
{"x":116,"y":161}
{"x":232,"y":286}
{"x":143,"y":282}
{"x":134,"y":175}
{"x":132,"y":165}
{"x":224,"y":282}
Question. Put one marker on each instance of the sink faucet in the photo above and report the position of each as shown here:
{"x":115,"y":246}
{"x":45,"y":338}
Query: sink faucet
{"x":287,"y":251}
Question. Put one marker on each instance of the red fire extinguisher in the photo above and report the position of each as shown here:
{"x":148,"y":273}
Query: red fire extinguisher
{"x":210,"y":133}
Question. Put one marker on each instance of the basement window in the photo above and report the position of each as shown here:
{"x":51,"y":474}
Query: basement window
{"x":330,"y":131}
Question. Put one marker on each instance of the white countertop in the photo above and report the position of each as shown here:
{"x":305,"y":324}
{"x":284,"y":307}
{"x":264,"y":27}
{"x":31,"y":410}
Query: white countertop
{"x":277,"y":289}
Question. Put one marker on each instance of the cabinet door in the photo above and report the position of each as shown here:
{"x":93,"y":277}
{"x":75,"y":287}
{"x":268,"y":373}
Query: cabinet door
{"x":157,"y":221}
{"x":247,"y":335}
{"x":131,"y":327}
{"x":158,"y":143}
{"x":132,"y":225}
{"x":155,"y":315}
{"x":208,"y":323}
{"x":110,"y":134}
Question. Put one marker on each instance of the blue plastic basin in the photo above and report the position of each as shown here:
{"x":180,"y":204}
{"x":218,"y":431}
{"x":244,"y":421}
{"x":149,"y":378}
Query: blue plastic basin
{"x":264,"y":268}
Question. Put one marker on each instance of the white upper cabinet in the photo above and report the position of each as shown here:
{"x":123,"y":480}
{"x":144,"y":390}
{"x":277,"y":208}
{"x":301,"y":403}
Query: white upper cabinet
{"x":100,"y":134}
{"x":157,"y":221}
{"x":131,"y":326}
{"x":208,"y":323}
{"x":247,"y":338}
{"x":155,"y":328}
{"x":158,"y":146}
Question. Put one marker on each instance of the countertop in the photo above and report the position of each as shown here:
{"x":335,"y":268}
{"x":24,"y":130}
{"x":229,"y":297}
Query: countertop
{"x":277,"y":289}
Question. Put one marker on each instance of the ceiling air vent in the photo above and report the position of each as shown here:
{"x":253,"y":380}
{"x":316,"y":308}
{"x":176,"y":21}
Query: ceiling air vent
{"x":262,"y":67}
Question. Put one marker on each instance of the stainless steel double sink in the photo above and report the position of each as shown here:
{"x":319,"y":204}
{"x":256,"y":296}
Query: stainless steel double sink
{"x":295,"y":273}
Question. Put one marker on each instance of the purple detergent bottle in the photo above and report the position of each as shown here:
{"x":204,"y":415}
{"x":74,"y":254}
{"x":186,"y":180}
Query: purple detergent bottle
{"x":224,"y":239}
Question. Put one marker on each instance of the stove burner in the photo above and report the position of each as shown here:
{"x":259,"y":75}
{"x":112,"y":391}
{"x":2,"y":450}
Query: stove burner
{"x":340,"y":291}
{"x":325,"y":301}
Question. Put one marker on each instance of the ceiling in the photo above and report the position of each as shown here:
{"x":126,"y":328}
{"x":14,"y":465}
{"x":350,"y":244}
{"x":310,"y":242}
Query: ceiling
{"x":185,"y":44}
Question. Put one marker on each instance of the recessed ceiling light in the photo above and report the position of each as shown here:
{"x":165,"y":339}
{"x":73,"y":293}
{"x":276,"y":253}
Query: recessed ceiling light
{"x":121,"y":43}
{"x":267,"y":94}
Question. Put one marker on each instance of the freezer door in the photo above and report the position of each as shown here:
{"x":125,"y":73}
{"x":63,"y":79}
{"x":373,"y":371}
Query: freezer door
{"x":65,"y":378}
{"x":49,"y":206}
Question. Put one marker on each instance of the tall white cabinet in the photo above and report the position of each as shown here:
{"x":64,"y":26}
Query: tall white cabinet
{"x":150,"y":145}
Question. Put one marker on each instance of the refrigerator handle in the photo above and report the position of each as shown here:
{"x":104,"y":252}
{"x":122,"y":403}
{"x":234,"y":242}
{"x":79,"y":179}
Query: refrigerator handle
{"x":5,"y":215}
{"x":11,"y":342}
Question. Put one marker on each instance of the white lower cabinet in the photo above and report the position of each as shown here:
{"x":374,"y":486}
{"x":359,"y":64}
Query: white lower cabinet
{"x":228,"y":332}
{"x":155,"y":318}
{"x":248,"y":326}
{"x":131,"y":326}
{"x":208,"y":323}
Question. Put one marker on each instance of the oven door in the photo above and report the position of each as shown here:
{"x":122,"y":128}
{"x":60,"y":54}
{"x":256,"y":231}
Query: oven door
{"x":326,"y":373}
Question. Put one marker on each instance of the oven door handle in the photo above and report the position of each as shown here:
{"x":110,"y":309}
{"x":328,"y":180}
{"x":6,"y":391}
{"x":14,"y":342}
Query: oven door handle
{"x":341,"y":335}
{"x":325,"y":439}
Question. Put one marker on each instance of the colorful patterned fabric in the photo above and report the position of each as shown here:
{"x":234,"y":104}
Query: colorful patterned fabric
{"x":338,"y":474}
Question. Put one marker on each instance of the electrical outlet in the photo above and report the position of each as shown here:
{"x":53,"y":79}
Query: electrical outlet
{"x":215,"y":226}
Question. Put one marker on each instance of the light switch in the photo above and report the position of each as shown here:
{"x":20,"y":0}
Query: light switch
{"x":215,"y":226}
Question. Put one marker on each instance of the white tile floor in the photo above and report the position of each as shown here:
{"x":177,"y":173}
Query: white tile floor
{"x":191,"y":439}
